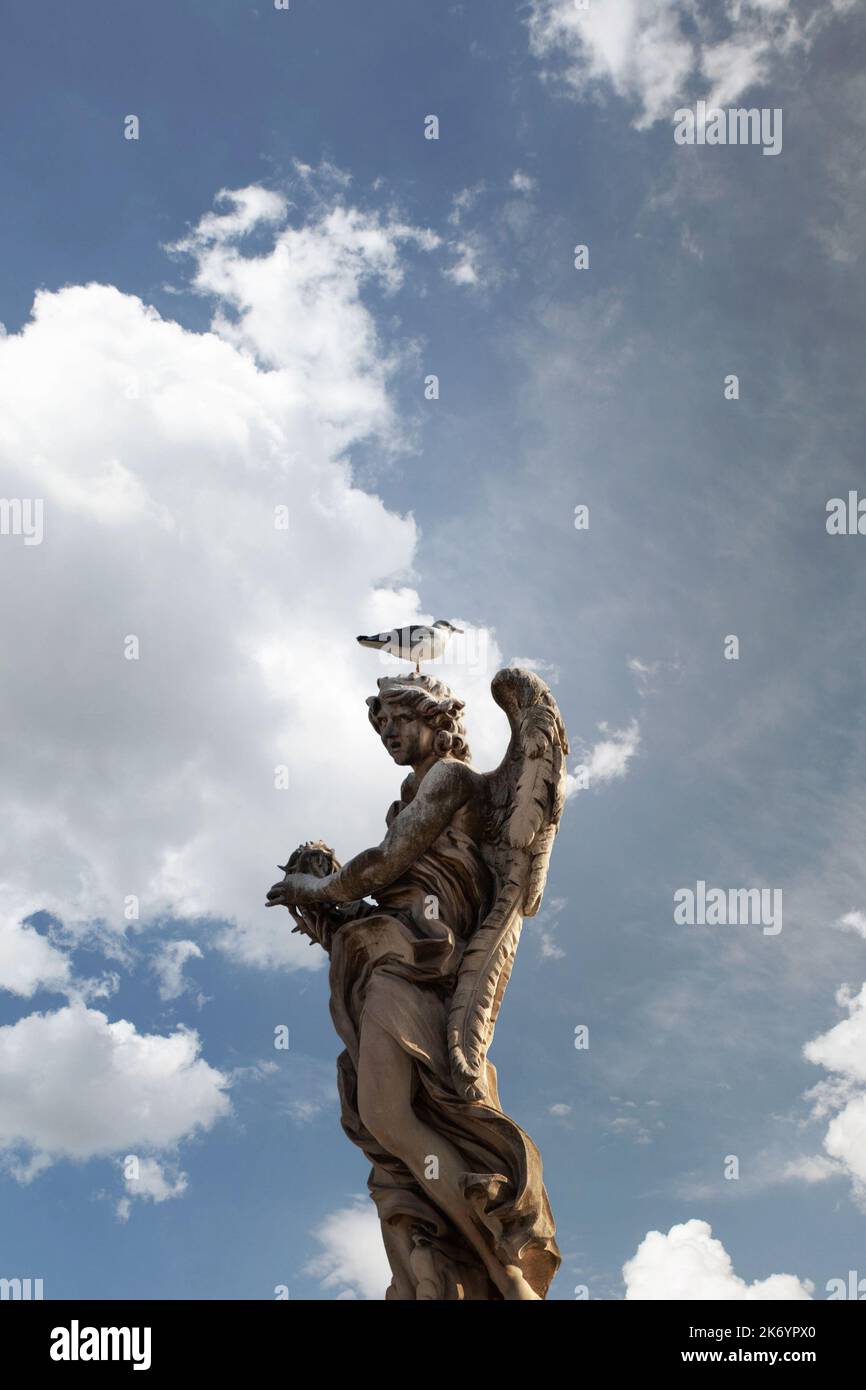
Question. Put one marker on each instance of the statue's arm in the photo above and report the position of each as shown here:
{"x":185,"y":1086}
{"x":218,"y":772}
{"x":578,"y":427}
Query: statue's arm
{"x":441,"y":794}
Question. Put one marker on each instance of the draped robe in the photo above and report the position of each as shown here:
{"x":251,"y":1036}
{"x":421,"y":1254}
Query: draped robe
{"x":398,"y":965}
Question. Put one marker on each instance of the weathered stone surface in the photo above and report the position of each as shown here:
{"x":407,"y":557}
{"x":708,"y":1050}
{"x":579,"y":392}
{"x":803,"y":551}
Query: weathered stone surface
{"x":417,"y":980}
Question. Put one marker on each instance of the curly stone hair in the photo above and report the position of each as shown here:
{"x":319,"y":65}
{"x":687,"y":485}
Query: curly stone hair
{"x":429,"y":700}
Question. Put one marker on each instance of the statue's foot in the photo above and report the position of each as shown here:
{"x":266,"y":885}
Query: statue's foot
{"x":516,"y":1287}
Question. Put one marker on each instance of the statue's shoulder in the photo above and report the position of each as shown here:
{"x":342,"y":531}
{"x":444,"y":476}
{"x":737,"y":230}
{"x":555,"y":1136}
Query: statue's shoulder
{"x":455,"y":777}
{"x":447,"y":778}
{"x":438,"y":780}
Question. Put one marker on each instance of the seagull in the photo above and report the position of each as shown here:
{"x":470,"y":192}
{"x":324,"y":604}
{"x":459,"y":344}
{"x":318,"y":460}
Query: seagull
{"x":416,"y":643}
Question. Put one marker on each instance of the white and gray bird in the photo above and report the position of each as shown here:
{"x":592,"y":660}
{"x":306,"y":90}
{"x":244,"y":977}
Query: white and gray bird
{"x":416,"y":643}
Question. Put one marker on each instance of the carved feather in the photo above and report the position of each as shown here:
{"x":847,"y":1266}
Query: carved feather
{"x":532,"y":797}
{"x":525,"y":797}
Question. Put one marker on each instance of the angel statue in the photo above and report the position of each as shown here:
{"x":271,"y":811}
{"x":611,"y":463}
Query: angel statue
{"x":417,"y":976}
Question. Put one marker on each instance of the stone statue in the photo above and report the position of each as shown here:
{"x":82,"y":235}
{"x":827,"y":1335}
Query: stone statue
{"x":417,"y":979}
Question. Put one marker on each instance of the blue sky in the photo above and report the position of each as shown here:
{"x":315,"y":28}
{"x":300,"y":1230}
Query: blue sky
{"x":287,"y":366}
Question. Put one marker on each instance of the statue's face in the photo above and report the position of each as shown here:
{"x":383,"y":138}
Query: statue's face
{"x":408,"y":739}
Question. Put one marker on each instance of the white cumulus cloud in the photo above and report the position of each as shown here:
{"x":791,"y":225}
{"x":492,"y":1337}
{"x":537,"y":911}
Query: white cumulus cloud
{"x":167,"y":460}
{"x":27,"y":960}
{"x":75,"y":1085}
{"x":352,"y":1260}
{"x":690,"y":1263}
{"x":842,"y":1052}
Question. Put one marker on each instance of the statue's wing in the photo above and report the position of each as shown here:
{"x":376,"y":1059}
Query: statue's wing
{"x":525,"y":797}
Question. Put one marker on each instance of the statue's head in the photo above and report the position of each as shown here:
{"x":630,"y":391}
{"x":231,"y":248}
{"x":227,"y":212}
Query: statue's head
{"x":416,"y":716}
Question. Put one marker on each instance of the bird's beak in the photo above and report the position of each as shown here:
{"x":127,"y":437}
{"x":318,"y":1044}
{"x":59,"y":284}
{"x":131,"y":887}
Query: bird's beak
{"x":456,"y":629}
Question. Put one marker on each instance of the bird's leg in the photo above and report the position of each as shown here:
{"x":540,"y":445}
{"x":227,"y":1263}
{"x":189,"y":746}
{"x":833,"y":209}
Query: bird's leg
{"x":417,"y":668}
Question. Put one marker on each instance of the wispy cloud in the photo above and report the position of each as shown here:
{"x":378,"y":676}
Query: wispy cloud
{"x":607,"y":759}
{"x":654,"y":54}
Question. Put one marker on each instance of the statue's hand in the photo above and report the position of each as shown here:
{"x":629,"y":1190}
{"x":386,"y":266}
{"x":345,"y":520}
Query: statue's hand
{"x":304,"y":891}
{"x":298,"y":890}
